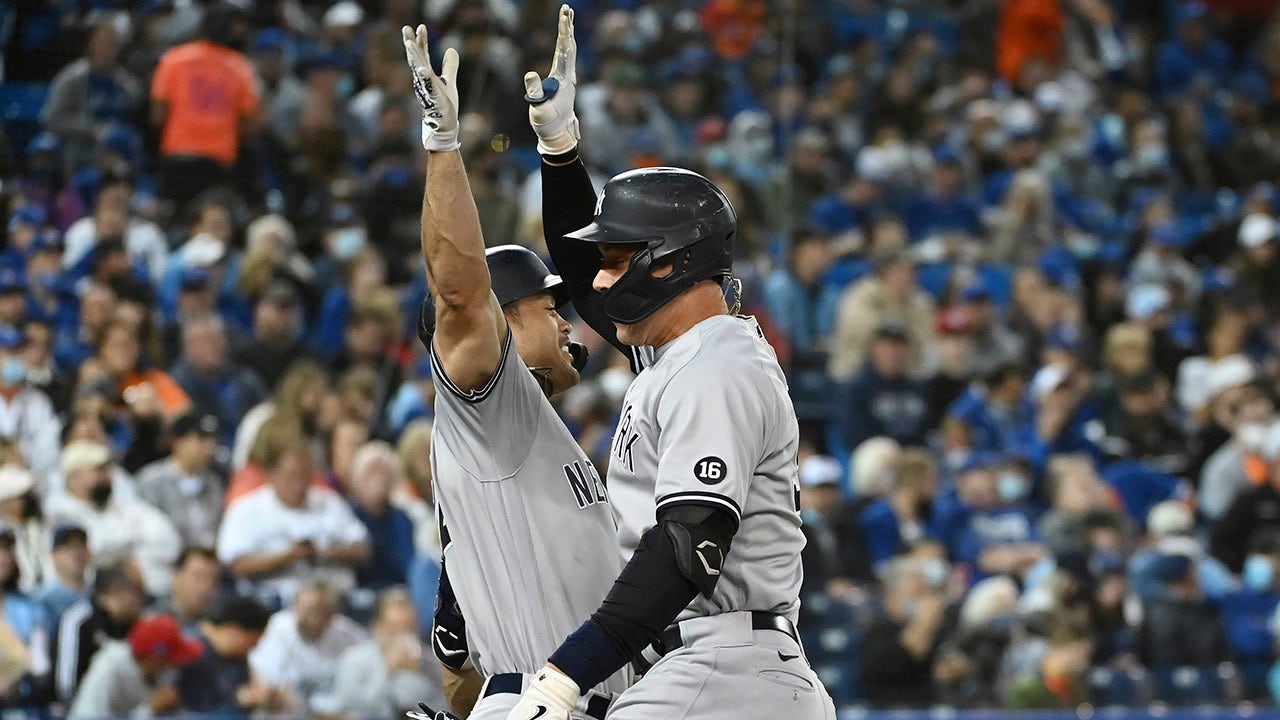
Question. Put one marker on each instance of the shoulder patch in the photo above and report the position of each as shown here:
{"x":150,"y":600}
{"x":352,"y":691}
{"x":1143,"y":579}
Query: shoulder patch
{"x":709,"y":470}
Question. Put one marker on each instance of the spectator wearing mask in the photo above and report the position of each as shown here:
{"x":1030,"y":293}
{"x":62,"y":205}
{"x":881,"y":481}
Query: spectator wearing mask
{"x":108,"y":614}
{"x":891,"y":296}
{"x":278,"y":534}
{"x":299,"y":651}
{"x":200,"y":140}
{"x":133,"y":678}
{"x":1247,"y":612}
{"x":899,"y":521}
{"x":1227,"y":385}
{"x":20,"y":511}
{"x":195,"y":585}
{"x":24,"y":656}
{"x":988,"y":525}
{"x":391,"y":672}
{"x":118,"y":528}
{"x":66,"y":585}
{"x":91,"y":94}
{"x":882,"y":399}
{"x":1232,"y":468}
{"x":900,"y":645}
{"x":219,"y":681}
{"x":183,"y":486}
{"x":26,"y":415}
{"x":215,"y":383}
{"x":1254,"y":513}
{"x":993,"y":408}
{"x":375,"y":472}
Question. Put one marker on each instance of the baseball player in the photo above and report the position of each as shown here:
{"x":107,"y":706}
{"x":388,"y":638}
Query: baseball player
{"x":528,"y":532}
{"x":703,"y":472}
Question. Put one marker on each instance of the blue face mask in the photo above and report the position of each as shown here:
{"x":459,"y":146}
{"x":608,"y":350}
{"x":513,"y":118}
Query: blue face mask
{"x":1259,"y":573}
{"x":13,"y":371}
{"x":1011,"y":487}
{"x":347,"y":242}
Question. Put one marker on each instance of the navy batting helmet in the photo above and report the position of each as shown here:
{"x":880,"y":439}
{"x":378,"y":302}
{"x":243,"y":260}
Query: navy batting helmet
{"x":680,"y":217}
{"x":515,"y":273}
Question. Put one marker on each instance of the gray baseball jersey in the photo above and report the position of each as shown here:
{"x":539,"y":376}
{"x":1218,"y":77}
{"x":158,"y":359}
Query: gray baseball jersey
{"x":709,"y":422}
{"x":531,"y":535}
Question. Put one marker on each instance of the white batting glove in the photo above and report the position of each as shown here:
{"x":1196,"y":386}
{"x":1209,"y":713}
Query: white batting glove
{"x":438,"y":94}
{"x":551,"y":696}
{"x":551,"y":101}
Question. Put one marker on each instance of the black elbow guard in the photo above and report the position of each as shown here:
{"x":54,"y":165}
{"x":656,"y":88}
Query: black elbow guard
{"x":449,"y":629}
{"x":701,"y":536}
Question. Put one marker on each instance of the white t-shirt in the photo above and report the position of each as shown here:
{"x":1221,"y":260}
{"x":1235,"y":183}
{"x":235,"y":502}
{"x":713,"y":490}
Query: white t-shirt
{"x":284,"y":659}
{"x":259,"y":524}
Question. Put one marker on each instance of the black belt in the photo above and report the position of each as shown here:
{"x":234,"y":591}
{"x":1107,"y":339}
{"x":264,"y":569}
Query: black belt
{"x":670,"y":639}
{"x":513,"y":684}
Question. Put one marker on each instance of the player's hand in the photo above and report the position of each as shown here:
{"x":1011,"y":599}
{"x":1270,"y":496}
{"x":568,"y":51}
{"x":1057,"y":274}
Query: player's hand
{"x":551,"y":100}
{"x":429,"y":714}
{"x":551,"y":696}
{"x":438,"y":94}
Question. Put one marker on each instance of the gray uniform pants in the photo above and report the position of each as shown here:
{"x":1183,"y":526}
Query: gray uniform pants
{"x":727,"y":671}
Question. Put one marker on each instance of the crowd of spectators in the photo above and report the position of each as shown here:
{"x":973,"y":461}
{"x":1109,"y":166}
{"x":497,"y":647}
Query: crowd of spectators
{"x":1020,"y":259}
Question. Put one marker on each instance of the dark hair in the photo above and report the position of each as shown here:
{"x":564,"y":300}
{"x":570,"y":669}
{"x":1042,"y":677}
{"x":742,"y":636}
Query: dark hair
{"x":240,"y":611}
{"x":194,"y":551}
{"x":113,"y":577}
{"x":10,"y":584}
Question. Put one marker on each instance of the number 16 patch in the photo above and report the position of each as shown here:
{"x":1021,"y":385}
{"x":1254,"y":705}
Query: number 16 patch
{"x":709,"y":470}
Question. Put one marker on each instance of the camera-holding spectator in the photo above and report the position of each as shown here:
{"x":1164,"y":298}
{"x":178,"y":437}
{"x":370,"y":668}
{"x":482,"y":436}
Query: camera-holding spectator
{"x":219,"y":681}
{"x":1254,"y":512}
{"x":183,"y":486}
{"x":20,"y":511}
{"x":903,"y":639}
{"x":375,"y":473}
{"x":68,"y":581}
{"x":899,"y":521}
{"x":146,"y":393}
{"x":134,"y":677}
{"x":108,"y":614}
{"x":289,"y":529}
{"x":118,"y":528}
{"x":195,"y":585}
{"x":24,"y":652}
{"x":1258,"y":260}
{"x":1064,"y":422}
{"x":1232,"y":468}
{"x":299,"y":651}
{"x":391,"y":672}
{"x":882,"y":399}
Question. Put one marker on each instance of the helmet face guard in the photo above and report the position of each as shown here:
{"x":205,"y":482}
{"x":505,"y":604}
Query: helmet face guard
{"x":681,"y":218}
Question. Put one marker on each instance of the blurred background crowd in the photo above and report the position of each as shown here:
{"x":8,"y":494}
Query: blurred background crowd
{"x":1020,"y":259}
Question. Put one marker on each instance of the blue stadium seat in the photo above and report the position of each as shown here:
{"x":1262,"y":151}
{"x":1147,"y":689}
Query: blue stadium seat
{"x":1189,"y":685}
{"x":1111,"y":687}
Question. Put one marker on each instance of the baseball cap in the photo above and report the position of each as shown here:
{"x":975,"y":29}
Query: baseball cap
{"x":1256,"y":230}
{"x":1231,"y":371}
{"x":872,"y":164}
{"x":343,"y":215}
{"x":343,"y":14}
{"x":81,"y":454}
{"x":1047,"y":379}
{"x":1059,"y":268}
{"x":1170,"y":517}
{"x":194,"y":423}
{"x":1169,"y":235}
{"x":1146,"y":300}
{"x":29,"y":214}
{"x":47,"y":240}
{"x":10,"y":337}
{"x":268,"y":39}
{"x":819,"y":470}
{"x":946,"y":155}
{"x":159,"y":637}
{"x":68,"y":532}
{"x":975,"y":291}
{"x":981,"y":460}
{"x":281,"y":294}
{"x":955,"y":321}
{"x":892,"y":330}
{"x":202,"y":251}
{"x":15,"y":481}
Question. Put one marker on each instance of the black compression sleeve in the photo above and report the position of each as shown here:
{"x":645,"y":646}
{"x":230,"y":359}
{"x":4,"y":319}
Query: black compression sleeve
{"x":568,"y":204}
{"x":647,"y":597}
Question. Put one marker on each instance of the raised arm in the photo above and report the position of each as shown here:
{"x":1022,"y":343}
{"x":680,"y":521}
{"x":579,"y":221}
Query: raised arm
{"x":470,"y":327}
{"x":568,"y":199}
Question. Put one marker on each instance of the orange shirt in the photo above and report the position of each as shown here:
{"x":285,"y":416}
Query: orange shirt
{"x":1028,"y":29}
{"x":173,"y":399}
{"x":209,"y":89}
